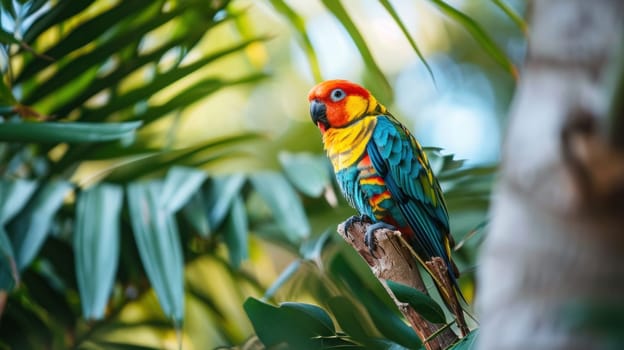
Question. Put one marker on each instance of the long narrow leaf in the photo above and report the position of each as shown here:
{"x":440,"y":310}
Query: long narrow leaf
{"x":157,"y":162}
{"x":479,"y":35}
{"x":160,"y":82}
{"x":386,"y":4}
{"x":512,"y":15}
{"x":179,"y":186}
{"x":13,"y":196}
{"x":298,"y":23}
{"x":221,"y":193}
{"x":8,"y":267}
{"x":338,"y":10}
{"x":421,"y":302}
{"x":30,"y":227}
{"x":236,"y":230}
{"x":284,"y":203}
{"x":72,"y":132}
{"x":60,"y":12}
{"x":91,"y":60}
{"x":96,"y":246}
{"x":157,"y":238}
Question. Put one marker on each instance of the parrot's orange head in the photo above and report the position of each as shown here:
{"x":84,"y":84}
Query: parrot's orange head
{"x":339,"y":103}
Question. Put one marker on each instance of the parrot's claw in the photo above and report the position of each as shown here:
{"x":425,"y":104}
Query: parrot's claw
{"x":353,"y":219}
{"x":369,"y":237}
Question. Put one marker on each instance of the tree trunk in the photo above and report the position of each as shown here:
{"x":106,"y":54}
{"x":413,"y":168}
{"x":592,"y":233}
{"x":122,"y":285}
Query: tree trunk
{"x":554,"y":255}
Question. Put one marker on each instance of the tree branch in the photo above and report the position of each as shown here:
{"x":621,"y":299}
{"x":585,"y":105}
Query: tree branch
{"x":393,"y":261}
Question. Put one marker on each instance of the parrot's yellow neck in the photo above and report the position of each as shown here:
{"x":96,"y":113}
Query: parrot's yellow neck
{"x":345,"y":146}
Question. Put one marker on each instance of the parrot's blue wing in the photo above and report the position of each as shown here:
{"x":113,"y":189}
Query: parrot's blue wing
{"x":401,"y":162}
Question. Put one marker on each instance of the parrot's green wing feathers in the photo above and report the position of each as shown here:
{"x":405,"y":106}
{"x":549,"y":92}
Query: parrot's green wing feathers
{"x":401,"y":162}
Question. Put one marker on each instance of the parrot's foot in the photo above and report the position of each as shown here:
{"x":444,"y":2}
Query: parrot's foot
{"x":356,"y":218}
{"x":369,"y":237}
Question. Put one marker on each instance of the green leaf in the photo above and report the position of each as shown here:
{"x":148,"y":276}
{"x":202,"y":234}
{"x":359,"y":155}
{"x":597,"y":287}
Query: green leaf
{"x":421,"y":302}
{"x":308,"y":172}
{"x":6,"y":95}
{"x":288,"y":326}
{"x":284,"y":203}
{"x":57,"y":14}
{"x":388,"y":322}
{"x":284,"y":277}
{"x":14,"y":194}
{"x":157,"y":238}
{"x":468,"y":342}
{"x":513,"y":15}
{"x":351,"y":319}
{"x":161,"y":81}
{"x":72,"y":132}
{"x":30,"y":227}
{"x":221,"y":193}
{"x":196,"y":212}
{"x":298,"y":23}
{"x":8,"y":267}
{"x":7,"y":5}
{"x":180,"y":184}
{"x":107,"y":345}
{"x":313,"y":248}
{"x":7,"y":38}
{"x":338,"y":10}
{"x":236,"y":229}
{"x":386,"y":4}
{"x":96,"y":246}
{"x":479,"y":35}
{"x":155,"y":162}
{"x":325,"y":325}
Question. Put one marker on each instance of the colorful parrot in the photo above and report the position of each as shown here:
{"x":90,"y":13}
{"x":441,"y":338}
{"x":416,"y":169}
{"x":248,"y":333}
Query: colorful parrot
{"x":384,"y":174}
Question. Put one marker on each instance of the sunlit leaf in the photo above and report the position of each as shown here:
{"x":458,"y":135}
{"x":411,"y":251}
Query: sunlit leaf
{"x":308,"y":172}
{"x":236,"y":230}
{"x":423,"y":304}
{"x":481,"y":37}
{"x":284,"y":203}
{"x":302,"y":35}
{"x":96,"y":246}
{"x":108,"y":345}
{"x":338,"y":10}
{"x":157,"y":162}
{"x":30,"y":227}
{"x":57,"y":14}
{"x":157,"y":238}
{"x":73,"y":132}
{"x":161,"y":81}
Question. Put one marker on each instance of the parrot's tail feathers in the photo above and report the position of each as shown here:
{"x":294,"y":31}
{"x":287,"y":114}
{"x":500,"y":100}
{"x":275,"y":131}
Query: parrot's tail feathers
{"x":447,"y":286}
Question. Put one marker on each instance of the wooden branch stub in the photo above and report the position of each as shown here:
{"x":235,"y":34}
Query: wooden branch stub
{"x":392,"y":260}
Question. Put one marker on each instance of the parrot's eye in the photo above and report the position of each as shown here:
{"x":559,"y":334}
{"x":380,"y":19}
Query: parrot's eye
{"x":337,"y":95}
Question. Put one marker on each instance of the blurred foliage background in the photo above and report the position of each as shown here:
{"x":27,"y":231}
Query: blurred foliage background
{"x":162,"y":185}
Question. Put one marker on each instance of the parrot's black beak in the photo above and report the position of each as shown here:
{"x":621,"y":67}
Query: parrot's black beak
{"x":318,"y":113}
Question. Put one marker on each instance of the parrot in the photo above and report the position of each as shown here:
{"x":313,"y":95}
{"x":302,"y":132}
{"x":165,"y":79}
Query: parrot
{"x":385,"y":175}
